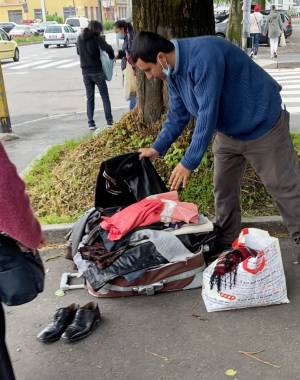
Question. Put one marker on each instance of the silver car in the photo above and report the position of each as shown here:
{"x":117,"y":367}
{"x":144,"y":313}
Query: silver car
{"x":60,"y":34}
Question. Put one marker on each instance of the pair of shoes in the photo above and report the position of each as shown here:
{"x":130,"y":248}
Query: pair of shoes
{"x":275,"y":55}
{"x":71,"y":323}
{"x":251,"y":54}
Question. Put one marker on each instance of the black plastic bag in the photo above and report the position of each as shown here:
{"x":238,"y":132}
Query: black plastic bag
{"x":21,"y":273}
{"x":124,"y":180}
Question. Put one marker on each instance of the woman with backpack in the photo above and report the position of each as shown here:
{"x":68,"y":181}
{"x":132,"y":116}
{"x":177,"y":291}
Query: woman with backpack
{"x":89,"y":44}
{"x":275,"y":28}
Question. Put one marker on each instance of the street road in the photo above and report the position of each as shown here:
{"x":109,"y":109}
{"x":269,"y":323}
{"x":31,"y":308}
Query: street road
{"x":48,"y":82}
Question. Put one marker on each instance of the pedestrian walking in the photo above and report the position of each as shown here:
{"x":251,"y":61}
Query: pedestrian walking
{"x":213,"y":80}
{"x":18,"y":222}
{"x":89,"y":44}
{"x":275,"y":28}
{"x":256,"y":19}
{"x":124,"y":31}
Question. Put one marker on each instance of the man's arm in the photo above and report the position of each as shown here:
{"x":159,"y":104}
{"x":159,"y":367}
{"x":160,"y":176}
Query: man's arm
{"x":177,"y":119}
{"x":208,"y":76}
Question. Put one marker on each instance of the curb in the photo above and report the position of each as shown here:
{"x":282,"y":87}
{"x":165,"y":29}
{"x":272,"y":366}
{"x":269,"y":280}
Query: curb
{"x":55,"y":233}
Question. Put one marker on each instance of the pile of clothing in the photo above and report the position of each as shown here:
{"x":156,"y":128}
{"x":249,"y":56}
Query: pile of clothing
{"x":154,"y":231}
{"x":136,"y":225}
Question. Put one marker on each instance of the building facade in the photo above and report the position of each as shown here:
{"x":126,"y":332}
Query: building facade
{"x":24,"y":10}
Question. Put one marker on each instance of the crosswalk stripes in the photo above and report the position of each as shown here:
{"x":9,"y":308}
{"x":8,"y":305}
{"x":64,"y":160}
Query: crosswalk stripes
{"x":289,"y":79}
{"x":42,"y":64}
{"x":51,"y":64}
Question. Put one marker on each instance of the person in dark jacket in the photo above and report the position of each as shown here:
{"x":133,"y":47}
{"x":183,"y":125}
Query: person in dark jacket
{"x":89,"y":44}
{"x":124,"y":31}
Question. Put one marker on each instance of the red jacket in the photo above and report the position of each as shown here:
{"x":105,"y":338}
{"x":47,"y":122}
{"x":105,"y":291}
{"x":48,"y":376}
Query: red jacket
{"x":16,"y":216}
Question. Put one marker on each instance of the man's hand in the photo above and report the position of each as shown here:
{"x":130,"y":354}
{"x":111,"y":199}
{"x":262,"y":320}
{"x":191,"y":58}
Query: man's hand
{"x":179,"y":176}
{"x":148,"y":152}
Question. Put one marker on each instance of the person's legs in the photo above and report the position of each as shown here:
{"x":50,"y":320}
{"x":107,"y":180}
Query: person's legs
{"x":6,"y":370}
{"x":229,"y":167}
{"x":271,"y":41}
{"x":275,"y":161}
{"x":90,"y":99}
{"x":252,"y":35}
{"x":103,"y":90}
{"x":275,"y":46}
{"x":256,"y":42}
{"x":132,"y":101}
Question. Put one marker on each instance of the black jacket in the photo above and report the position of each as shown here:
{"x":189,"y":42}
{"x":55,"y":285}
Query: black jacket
{"x":88,"y":48}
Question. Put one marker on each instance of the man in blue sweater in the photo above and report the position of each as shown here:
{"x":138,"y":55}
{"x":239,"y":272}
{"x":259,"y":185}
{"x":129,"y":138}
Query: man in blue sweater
{"x":232,"y":97}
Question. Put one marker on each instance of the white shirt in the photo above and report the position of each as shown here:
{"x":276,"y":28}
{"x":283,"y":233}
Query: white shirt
{"x":256,"y":20}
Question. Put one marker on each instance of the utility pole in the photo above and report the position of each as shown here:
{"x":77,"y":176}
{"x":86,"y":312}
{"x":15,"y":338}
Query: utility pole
{"x":246,"y":24}
{"x":5,"y":125}
{"x":100,"y":11}
{"x":43,"y":10}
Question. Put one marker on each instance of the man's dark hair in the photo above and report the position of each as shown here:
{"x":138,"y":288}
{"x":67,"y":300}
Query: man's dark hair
{"x":146,"y":46}
{"x":124,"y":25}
{"x":94,"y":28}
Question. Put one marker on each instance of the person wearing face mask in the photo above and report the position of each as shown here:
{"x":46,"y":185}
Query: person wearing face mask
{"x":211,"y":80}
{"x":124,"y":31}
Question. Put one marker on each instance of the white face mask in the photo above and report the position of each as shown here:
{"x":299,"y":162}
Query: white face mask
{"x":167,"y":71}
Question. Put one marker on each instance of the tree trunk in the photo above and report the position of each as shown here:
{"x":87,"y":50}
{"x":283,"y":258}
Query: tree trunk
{"x":246,"y":23}
{"x":234,"y":29}
{"x":171,"y":19}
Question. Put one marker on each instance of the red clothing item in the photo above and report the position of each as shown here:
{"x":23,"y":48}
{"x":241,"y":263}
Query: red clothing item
{"x":16,"y":216}
{"x":142,"y":213}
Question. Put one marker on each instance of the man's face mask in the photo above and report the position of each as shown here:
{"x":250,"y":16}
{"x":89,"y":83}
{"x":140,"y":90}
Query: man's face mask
{"x":166,"y":70}
{"x":120,"y":35}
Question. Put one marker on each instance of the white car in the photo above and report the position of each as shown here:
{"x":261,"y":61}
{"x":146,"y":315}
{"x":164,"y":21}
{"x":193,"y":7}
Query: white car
{"x":60,"y":34}
{"x":20,"y":31}
{"x":77,"y":23}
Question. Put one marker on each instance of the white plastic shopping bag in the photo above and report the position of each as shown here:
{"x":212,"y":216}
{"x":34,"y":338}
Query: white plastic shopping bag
{"x":258,"y":281}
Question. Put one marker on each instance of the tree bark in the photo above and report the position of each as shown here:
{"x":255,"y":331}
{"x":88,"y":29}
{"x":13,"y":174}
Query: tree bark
{"x":171,"y":19}
{"x":234,"y":29}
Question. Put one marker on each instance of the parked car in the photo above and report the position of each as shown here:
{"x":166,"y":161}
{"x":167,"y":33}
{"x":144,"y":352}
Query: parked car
{"x":7,"y":26}
{"x":20,"y":31}
{"x":8,"y":48}
{"x":60,"y":34}
{"x":40,"y":27}
{"x":77,"y":23}
{"x":221,"y":26}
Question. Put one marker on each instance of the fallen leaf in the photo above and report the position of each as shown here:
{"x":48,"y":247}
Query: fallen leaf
{"x":231,"y":372}
{"x":59,"y":293}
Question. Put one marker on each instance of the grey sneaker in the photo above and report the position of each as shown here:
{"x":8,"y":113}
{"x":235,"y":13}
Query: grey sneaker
{"x":92,"y":127}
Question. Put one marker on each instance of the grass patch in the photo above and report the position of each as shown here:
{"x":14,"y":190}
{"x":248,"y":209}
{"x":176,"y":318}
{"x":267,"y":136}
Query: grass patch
{"x":28,"y":40}
{"x":61,"y":185}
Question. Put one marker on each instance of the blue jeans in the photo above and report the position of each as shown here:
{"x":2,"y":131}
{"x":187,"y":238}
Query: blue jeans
{"x":256,"y":37}
{"x":98,"y":79}
{"x":132,"y":102}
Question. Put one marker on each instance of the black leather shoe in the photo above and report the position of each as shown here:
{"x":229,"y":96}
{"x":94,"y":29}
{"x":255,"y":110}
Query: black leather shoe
{"x":61,"y":320}
{"x":85,"y":321}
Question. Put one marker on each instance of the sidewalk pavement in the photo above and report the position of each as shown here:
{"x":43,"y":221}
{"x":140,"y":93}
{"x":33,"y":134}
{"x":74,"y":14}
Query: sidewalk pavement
{"x":166,"y":337}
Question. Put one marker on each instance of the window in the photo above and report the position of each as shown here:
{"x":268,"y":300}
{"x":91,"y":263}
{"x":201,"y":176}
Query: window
{"x":53,"y":29}
{"x":92,"y":13}
{"x":3,"y":35}
{"x":86,"y":12}
{"x":73,"y":22}
{"x":66,"y":29}
{"x":38,"y":14}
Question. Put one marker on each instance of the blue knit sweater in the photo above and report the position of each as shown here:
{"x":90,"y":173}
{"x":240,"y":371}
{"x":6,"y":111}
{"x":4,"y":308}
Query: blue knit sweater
{"x":218,"y":84}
